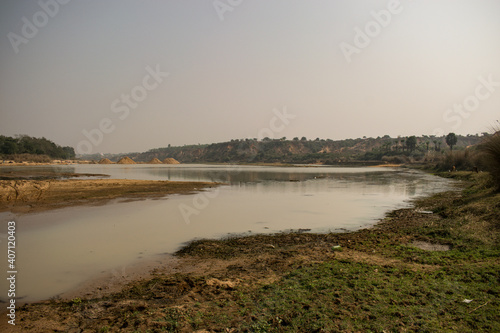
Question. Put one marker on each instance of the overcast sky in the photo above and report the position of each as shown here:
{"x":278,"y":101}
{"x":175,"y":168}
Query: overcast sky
{"x":123,"y":76}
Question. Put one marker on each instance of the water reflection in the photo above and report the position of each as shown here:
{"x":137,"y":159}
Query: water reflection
{"x":242,"y":174}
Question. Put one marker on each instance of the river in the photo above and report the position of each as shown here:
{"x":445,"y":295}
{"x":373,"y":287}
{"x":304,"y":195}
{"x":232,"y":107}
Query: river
{"x":59,"y":250}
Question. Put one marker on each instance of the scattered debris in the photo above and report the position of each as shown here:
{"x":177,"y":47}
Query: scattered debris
{"x":223,"y":284}
{"x":424,"y":212}
{"x":336,"y":247}
{"x":430,"y":246}
{"x":478,"y":307}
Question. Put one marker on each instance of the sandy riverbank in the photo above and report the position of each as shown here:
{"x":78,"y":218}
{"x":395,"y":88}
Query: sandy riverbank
{"x":37,"y":195}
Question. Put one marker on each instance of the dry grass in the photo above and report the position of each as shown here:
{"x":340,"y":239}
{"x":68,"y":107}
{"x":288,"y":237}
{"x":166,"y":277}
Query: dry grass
{"x":490,"y":149}
{"x":19,"y":158}
{"x":464,"y":160}
{"x":476,"y":229}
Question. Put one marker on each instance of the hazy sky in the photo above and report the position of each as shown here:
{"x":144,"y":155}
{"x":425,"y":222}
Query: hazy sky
{"x":244,"y":69}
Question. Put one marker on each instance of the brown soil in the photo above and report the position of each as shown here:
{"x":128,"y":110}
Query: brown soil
{"x":154,"y":161}
{"x":170,"y":160}
{"x":126,"y":160}
{"x":30,"y":174}
{"x":36,"y":195}
{"x":105,"y":161}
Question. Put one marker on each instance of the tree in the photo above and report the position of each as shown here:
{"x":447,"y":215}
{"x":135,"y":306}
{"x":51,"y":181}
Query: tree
{"x":451,"y":140}
{"x":24,"y":144}
{"x":9,"y":146}
{"x":69,"y":152}
{"x":411,"y":143}
{"x":303,"y":138}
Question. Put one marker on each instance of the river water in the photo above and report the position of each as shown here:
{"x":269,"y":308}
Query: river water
{"x":60,"y":249}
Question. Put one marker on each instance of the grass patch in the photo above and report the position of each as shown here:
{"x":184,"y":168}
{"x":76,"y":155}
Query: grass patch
{"x":351,"y":296}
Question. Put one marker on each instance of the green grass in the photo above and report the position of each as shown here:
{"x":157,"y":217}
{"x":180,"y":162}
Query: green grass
{"x":347,"y":296}
{"x":350,"y":296}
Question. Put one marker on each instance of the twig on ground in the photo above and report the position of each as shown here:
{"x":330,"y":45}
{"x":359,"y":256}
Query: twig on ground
{"x":478,"y":307}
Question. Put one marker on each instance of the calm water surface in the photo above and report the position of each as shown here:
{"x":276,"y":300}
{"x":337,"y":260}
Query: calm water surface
{"x":59,"y":250}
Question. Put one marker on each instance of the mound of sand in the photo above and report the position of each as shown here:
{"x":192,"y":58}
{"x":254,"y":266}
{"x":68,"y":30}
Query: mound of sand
{"x":105,"y":161}
{"x":126,"y":160}
{"x":170,"y":160}
{"x":154,"y":161}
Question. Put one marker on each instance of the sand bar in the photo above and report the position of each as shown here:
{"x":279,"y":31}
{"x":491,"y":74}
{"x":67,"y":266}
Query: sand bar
{"x":27,"y":196}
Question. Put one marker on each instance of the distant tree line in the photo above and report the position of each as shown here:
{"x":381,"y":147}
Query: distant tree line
{"x":304,"y":150}
{"x":24,"y":144}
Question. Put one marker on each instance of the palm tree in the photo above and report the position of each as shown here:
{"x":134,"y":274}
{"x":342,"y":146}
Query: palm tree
{"x":451,"y":140}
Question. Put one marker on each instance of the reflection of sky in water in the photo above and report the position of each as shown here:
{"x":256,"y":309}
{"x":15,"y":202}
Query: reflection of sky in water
{"x":59,"y":249}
